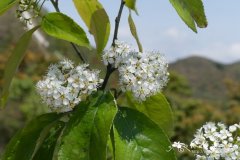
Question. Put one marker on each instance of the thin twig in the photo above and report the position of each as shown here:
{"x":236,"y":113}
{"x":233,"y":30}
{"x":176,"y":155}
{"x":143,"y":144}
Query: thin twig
{"x":110,"y":68}
{"x":78,"y":52}
{"x":117,"y":22}
{"x":55,"y":5}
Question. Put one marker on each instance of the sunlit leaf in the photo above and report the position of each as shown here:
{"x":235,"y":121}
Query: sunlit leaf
{"x":196,"y":9}
{"x":96,"y":19}
{"x":137,"y":137}
{"x":6,"y":4}
{"x":22,"y":145}
{"x":63,"y":27}
{"x":87,"y":132}
{"x":157,"y":109}
{"x":191,"y":12}
{"x":133,"y":30}
{"x":131,"y":4}
{"x":13,"y":63}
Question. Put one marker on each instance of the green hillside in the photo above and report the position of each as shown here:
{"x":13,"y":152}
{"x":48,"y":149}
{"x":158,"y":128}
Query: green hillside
{"x":207,"y":78}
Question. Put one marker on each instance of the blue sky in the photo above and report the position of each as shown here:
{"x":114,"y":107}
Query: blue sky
{"x":160,"y":28}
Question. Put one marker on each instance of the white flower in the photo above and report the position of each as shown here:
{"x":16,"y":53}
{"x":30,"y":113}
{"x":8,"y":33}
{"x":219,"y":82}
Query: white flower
{"x":180,"y":146}
{"x":232,"y":128}
{"x":198,"y":157}
{"x":144,"y":74}
{"x":64,"y":86}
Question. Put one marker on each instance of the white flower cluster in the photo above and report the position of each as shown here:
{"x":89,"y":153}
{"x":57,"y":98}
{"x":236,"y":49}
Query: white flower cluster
{"x":215,"y":142}
{"x":144,"y":74}
{"x":28,"y":10}
{"x":65,"y":86}
{"x":116,"y":54}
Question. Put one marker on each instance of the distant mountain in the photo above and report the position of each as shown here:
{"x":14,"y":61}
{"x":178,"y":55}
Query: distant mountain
{"x":206,"y":77}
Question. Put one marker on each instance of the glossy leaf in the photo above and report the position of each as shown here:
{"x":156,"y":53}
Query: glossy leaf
{"x":157,"y":109}
{"x":13,"y":62}
{"x":191,"y":12}
{"x":63,"y":27}
{"x":96,"y":19}
{"x":87,"y":132}
{"x":6,"y":4}
{"x":46,"y":149}
{"x":137,"y":137}
{"x":22,"y":145}
{"x":133,"y":30}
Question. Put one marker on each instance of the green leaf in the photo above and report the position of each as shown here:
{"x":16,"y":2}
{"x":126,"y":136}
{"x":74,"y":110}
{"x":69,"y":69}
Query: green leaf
{"x":63,"y":27}
{"x":86,"y":133}
{"x":5,"y":5}
{"x":131,"y":4}
{"x":133,"y":30}
{"x":13,"y":63}
{"x":22,"y":145}
{"x":96,"y":19}
{"x":191,"y":12}
{"x":137,"y":137}
{"x":196,"y":9}
{"x":157,"y":109}
{"x":46,"y":150}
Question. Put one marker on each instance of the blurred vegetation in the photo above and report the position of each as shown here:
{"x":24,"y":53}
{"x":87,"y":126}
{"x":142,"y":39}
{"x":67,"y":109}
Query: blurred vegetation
{"x":191,"y":113}
{"x":199,"y":90}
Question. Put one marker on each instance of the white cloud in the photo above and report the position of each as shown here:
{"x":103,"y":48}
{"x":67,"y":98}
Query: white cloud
{"x":235,"y":48}
{"x":173,"y":33}
{"x":225,"y":53}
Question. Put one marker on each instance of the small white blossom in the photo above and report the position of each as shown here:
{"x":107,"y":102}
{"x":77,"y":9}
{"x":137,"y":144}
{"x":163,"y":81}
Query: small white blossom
{"x":179,"y":146}
{"x":232,"y":128}
{"x":64,"y":86}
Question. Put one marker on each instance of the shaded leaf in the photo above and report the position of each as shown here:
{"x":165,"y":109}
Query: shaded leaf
{"x":13,"y":62}
{"x":6,"y":4}
{"x":22,"y":145}
{"x":191,"y":12}
{"x":157,"y":109}
{"x":137,"y":137}
{"x":96,"y":19}
{"x":133,"y":30}
{"x":46,"y":150}
{"x":86,"y":134}
{"x":63,"y":27}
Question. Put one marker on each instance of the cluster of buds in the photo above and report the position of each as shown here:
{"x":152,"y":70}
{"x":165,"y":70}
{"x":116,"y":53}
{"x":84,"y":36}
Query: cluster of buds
{"x":29,"y":9}
{"x":65,"y":86}
{"x":142,"y":73}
